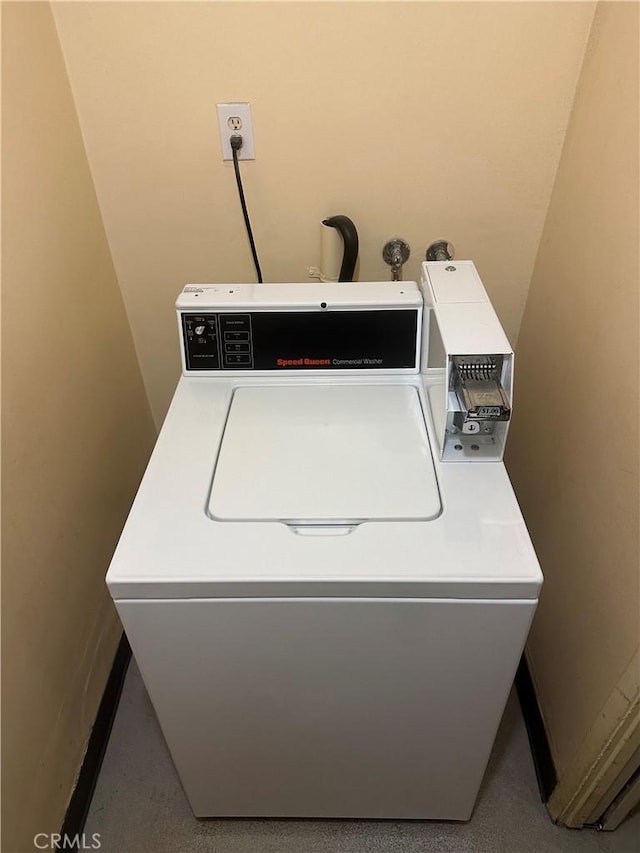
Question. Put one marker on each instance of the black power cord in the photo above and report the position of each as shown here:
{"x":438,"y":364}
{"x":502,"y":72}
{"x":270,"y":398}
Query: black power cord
{"x":236,"y":145}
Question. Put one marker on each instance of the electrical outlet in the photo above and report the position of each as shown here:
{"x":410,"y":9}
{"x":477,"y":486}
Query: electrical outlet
{"x":236,"y":118}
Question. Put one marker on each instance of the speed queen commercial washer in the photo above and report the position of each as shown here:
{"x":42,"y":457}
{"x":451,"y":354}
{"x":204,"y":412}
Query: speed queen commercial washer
{"x":325,"y":577}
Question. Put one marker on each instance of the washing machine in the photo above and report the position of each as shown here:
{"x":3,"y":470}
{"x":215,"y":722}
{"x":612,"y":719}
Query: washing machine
{"x":325,"y":576}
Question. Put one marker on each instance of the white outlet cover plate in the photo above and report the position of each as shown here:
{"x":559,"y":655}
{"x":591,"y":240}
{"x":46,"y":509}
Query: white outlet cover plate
{"x":227,"y":112}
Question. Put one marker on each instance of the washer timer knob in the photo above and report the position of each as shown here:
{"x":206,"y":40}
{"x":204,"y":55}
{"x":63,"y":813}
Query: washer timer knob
{"x":199,"y":330}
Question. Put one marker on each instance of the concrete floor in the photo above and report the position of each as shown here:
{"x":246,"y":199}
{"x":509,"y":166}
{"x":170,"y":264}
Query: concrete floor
{"x":139,"y":806}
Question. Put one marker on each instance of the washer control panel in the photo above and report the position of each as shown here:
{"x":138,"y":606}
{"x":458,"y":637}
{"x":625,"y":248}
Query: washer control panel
{"x":217,"y":341}
{"x":300,"y":340}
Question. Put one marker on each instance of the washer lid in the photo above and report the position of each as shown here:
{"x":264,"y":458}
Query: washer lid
{"x":325,"y":454}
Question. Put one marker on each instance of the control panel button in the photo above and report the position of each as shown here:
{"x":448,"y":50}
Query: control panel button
{"x":231,"y":359}
{"x":237,"y":347}
{"x":236,"y":336}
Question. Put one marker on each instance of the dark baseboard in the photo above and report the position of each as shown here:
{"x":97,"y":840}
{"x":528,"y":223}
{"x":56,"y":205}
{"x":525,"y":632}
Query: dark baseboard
{"x":538,"y":741}
{"x":78,"y":809}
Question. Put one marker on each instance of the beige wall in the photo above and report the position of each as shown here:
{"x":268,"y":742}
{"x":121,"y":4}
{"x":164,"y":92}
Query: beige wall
{"x":573,"y":449}
{"x":422,"y":120}
{"x":76,"y":433}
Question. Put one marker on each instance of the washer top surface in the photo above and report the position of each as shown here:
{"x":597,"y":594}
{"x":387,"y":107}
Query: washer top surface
{"x":325,"y":454}
{"x":477,"y":547}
